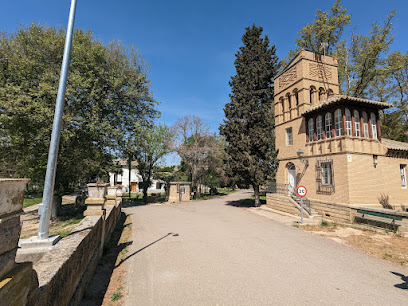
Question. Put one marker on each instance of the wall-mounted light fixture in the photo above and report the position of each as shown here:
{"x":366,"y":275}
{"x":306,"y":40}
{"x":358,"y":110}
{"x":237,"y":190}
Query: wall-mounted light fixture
{"x":301,"y":158}
{"x":375,"y":161}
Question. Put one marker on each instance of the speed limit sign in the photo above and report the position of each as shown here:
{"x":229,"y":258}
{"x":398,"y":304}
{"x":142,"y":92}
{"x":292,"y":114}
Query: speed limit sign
{"x":301,"y":191}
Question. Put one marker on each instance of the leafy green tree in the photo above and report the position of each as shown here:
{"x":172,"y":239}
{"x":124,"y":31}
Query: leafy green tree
{"x":150,"y":146}
{"x":360,"y":60}
{"x":249,"y":125}
{"x":391,"y":84}
{"x":108,"y":94}
{"x":325,"y":31}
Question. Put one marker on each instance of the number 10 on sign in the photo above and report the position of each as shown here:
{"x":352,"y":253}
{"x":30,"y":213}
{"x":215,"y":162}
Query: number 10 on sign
{"x":301,"y":191}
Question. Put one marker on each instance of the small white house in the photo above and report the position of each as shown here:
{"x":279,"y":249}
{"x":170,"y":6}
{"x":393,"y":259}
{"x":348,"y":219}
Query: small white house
{"x":135,"y":179}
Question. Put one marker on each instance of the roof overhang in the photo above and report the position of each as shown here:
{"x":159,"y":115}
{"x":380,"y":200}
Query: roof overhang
{"x":341,"y":99}
{"x":395,"y":145}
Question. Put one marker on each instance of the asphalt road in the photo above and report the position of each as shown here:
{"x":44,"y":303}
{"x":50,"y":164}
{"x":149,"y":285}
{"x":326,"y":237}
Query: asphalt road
{"x":212,"y":253}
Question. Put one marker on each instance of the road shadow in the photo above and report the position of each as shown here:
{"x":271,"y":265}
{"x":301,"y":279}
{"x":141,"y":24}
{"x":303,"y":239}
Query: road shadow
{"x":246,"y":203}
{"x":139,"y":202}
{"x":97,"y":287}
{"x":404,"y":278}
{"x":145,"y":247}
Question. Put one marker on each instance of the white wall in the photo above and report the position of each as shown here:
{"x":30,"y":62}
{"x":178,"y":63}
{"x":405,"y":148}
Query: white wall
{"x":134,"y":177}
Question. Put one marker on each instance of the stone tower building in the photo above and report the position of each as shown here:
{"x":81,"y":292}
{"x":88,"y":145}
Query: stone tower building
{"x":345,"y":160}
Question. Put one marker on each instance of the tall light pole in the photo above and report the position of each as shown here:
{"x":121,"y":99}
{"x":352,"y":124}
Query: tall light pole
{"x":45,"y":208}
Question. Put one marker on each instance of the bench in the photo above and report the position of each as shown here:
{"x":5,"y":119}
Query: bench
{"x":389,"y":219}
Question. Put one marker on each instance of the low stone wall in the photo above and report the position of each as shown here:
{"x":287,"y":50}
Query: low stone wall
{"x":281,"y":203}
{"x":64,"y":272}
{"x":336,"y":212}
{"x":332,"y":211}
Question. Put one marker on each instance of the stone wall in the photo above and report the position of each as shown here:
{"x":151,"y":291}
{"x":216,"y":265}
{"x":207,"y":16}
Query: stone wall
{"x":16,"y":279}
{"x":64,"y":272}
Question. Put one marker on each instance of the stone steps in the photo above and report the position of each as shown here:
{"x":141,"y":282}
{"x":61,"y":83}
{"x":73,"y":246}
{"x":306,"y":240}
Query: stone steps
{"x":288,"y":205}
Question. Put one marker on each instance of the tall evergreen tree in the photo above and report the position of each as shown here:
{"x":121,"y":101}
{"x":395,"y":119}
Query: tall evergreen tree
{"x":249,"y":125}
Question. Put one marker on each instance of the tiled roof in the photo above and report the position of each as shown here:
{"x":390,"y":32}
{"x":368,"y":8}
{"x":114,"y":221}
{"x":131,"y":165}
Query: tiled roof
{"x":124,"y":162}
{"x":394,"y":145}
{"x":339,"y":98}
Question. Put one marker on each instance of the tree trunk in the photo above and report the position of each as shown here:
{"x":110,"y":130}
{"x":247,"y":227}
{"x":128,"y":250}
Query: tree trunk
{"x":145,"y":187}
{"x":56,"y":207}
{"x":256,"y":193}
{"x":130,"y":171}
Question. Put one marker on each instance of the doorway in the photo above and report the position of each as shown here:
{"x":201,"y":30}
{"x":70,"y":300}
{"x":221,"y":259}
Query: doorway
{"x":292,"y":178}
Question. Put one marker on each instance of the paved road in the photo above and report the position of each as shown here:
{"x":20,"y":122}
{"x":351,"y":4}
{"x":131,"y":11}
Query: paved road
{"x":209,"y":252}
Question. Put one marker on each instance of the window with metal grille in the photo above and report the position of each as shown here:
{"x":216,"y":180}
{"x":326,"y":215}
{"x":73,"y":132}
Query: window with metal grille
{"x":325,"y":176}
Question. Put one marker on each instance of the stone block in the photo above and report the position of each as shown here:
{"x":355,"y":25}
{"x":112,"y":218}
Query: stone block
{"x":95,"y":201}
{"x":110,"y":202}
{"x":16,"y":285}
{"x":10,"y":229}
{"x":94,"y":212}
{"x":7,"y":261}
{"x":11,"y":195}
{"x":97,"y":190}
{"x":112,"y":191}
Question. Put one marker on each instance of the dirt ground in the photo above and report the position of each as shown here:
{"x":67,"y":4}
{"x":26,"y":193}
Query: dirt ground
{"x":380,"y":243}
{"x":107,"y":284}
{"x":31,"y":220}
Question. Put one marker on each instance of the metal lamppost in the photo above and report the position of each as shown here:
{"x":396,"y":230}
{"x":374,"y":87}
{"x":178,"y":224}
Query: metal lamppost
{"x":45,"y":207}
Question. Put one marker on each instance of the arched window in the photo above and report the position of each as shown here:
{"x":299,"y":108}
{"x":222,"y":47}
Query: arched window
{"x":328,"y":125}
{"x":311,"y":129}
{"x":374,"y":125}
{"x":348,"y":122}
{"x":337,"y":122}
{"x":296,"y":94}
{"x":357,"y":123}
{"x":321,"y":93}
{"x":319,"y":132}
{"x":365,"y":124}
{"x":329,"y":92}
{"x":289,"y":100}
{"x":282,"y":101}
{"x":311,"y":94}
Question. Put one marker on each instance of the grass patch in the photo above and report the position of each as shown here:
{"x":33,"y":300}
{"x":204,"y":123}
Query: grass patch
{"x":31,"y":201}
{"x":220,"y":192}
{"x":116,"y":296}
{"x":324,"y":223}
{"x":70,"y":216}
{"x":137,"y":198}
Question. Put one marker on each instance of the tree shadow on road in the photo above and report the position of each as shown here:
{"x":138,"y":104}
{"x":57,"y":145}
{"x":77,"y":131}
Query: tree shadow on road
{"x":404,"y":278}
{"x":246,"y":203}
{"x":145,"y":247}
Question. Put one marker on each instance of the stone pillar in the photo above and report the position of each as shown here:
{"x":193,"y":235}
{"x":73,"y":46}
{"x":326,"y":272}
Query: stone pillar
{"x":15,"y":279}
{"x":95,"y":203}
{"x":119,"y":195}
{"x":111,"y":196}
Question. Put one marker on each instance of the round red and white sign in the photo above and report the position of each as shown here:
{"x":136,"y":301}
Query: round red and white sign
{"x":301,"y":191}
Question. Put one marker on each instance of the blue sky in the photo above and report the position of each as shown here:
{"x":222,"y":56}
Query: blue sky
{"x":190,"y":46}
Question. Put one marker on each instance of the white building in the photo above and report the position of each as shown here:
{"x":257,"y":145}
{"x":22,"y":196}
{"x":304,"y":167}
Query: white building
{"x":135,"y":179}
